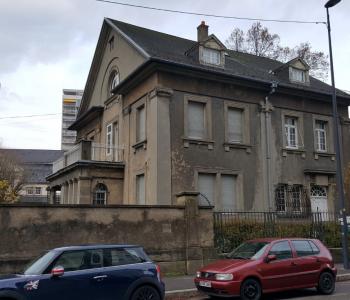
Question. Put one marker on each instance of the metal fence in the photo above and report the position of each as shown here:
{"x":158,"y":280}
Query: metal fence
{"x":231,"y":227}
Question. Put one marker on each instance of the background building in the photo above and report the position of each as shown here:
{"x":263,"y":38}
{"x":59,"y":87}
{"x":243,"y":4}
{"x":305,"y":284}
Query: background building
{"x":70,"y":105}
{"x":35,"y":166}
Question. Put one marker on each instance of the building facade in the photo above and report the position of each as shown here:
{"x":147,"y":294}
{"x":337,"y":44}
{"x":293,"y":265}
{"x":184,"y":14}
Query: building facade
{"x":163,"y":115}
{"x":35,"y":165}
{"x":70,"y":105}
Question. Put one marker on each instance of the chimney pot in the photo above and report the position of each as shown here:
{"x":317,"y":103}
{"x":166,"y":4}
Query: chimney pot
{"x":202,"y":32}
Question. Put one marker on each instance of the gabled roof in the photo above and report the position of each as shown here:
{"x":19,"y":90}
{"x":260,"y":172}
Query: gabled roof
{"x":169,"y":48}
{"x":292,"y":62}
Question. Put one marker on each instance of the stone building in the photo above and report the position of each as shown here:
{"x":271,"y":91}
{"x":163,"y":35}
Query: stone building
{"x":162,"y":115}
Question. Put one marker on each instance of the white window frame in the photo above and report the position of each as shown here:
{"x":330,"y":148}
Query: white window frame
{"x":318,"y":133}
{"x":288,"y":132}
{"x":114,"y":80}
{"x":298,"y":75}
{"x":211,"y":56}
{"x":36,"y":190}
{"x":109,"y":139}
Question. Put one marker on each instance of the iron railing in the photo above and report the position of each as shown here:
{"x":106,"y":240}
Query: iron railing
{"x":231,"y":228}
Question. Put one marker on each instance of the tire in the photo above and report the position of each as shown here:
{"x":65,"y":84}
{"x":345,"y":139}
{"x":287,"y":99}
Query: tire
{"x":250,"y":289}
{"x":326,"y":283}
{"x":145,"y":292}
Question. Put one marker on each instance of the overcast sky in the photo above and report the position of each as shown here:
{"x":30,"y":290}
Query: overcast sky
{"x":47,"y":45}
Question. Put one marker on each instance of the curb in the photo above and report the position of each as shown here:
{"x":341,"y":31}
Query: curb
{"x":186,"y":293}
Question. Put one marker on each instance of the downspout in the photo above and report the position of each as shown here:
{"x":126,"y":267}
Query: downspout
{"x":267,"y":110}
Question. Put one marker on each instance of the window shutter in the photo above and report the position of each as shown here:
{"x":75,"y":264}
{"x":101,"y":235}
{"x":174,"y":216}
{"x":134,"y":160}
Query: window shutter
{"x":228,"y":192}
{"x":196,"y":120}
{"x":206,"y":186}
{"x":140,"y":189}
{"x":234,"y":126}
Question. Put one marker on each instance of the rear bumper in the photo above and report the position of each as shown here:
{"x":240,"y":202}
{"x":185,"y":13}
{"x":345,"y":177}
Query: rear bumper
{"x":219,"y":288}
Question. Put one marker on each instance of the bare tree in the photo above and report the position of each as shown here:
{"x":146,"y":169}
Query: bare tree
{"x":259,"y":41}
{"x":12,"y":176}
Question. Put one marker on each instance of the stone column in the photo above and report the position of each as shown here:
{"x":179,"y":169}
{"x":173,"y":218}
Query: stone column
{"x":159,"y":146}
{"x":194,"y":249}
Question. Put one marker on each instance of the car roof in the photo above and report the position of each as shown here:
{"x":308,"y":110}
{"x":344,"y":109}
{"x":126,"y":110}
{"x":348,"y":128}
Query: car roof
{"x":278,"y":239}
{"x":94,"y":246}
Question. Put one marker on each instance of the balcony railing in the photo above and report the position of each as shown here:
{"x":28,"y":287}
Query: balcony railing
{"x":87,"y":150}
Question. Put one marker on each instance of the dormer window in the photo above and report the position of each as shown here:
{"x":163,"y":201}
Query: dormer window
{"x":297,"y":75}
{"x":211,"y":56}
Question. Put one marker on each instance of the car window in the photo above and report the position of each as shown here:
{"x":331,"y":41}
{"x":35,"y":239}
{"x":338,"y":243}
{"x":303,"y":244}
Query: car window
{"x":282,"y":250}
{"x":302,"y":248}
{"x":40,"y":264}
{"x":123,"y":256}
{"x":315,"y":249}
{"x":80,"y":260}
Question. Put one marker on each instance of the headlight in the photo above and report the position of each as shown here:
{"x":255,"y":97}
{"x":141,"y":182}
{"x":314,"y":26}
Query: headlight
{"x":223,"y":277}
{"x":198,"y":275}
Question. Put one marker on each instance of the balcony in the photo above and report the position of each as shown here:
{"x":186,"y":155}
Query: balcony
{"x":89,"y":151}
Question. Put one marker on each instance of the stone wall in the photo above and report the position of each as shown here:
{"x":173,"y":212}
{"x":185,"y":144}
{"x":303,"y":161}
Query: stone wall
{"x":180,"y":237}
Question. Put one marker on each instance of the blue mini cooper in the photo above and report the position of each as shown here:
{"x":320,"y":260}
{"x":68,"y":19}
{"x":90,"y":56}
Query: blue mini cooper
{"x":98,"y":272}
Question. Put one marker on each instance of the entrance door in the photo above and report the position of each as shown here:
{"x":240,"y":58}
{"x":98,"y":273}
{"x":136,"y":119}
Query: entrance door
{"x":319,"y":199}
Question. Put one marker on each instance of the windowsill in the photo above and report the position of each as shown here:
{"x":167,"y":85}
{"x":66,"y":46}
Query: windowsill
{"x":228,"y":146}
{"x":209,"y":143}
{"x":141,"y":144}
{"x":299,"y":151}
{"x":318,"y":154}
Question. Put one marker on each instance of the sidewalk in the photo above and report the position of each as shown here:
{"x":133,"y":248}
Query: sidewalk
{"x":183,"y":287}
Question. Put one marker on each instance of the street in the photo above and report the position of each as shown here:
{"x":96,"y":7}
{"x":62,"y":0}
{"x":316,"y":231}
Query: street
{"x":342,"y":292}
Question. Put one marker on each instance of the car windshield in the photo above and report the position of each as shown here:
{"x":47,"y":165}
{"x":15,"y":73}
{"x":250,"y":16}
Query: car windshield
{"x":38,"y":265}
{"x":248,"y":250}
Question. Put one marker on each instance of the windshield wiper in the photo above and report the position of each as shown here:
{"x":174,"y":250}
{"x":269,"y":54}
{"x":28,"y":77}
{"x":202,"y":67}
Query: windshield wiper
{"x":238,"y":257}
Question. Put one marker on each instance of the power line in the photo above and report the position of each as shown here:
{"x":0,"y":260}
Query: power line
{"x":212,"y":15}
{"x":29,"y":116}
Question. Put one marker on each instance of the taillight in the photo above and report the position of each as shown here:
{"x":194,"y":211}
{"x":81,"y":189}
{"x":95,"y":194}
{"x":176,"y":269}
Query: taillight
{"x":159,"y":276}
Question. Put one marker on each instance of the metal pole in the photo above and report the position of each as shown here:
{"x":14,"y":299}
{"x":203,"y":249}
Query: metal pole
{"x":337,"y":147}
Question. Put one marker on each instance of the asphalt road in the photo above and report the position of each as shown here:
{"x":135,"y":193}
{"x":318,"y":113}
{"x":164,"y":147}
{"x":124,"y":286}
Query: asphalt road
{"x":342,"y":292}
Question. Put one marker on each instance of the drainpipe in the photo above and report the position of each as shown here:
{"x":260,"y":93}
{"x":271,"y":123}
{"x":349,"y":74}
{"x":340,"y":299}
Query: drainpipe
{"x":267,"y":108}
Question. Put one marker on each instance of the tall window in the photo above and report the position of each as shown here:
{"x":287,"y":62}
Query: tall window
{"x":321,"y":135}
{"x":140,"y":189}
{"x":298,"y":75}
{"x":211,"y":56}
{"x":296,"y":198}
{"x":100,"y":195}
{"x":280,"y":197}
{"x":196,"y":120}
{"x":228,"y":191}
{"x":140,"y":124}
{"x":235,"y":125}
{"x":206,"y":186}
{"x":291,"y":132}
{"x":109,"y":139}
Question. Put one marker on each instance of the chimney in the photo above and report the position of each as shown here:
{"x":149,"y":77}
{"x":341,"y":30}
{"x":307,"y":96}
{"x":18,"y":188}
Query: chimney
{"x":202,"y":32}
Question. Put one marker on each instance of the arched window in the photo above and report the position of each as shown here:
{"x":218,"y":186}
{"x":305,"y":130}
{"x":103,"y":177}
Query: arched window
{"x":100,"y":194}
{"x":113,"y":81}
{"x":318,"y":191}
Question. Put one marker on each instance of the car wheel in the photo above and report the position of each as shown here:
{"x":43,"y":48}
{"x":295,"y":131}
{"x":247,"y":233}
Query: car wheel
{"x":326,"y":283}
{"x":250,"y":290}
{"x":145,"y":292}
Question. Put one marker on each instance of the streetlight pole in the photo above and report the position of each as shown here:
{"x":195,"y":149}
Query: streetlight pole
{"x":337,"y":145}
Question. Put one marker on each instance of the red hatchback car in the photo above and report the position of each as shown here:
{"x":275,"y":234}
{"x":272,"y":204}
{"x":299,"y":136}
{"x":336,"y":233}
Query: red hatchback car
{"x":269,"y":265}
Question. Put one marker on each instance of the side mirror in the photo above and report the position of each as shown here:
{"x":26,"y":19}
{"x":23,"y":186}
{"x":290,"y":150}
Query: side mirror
{"x":270,"y":258}
{"x":57,"y":271}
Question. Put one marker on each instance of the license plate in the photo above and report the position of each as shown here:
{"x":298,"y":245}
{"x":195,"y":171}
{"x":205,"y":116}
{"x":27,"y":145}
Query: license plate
{"x":205,"y":283}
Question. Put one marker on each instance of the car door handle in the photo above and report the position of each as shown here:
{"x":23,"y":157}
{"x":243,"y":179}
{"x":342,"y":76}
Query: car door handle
{"x":293,"y":263}
{"x":100,"y":277}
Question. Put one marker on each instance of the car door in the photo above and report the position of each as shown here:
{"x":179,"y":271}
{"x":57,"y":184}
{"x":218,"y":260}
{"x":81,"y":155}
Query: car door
{"x":123,"y":266}
{"x":77,"y":282}
{"x":307,"y":263}
{"x":279,"y":273}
